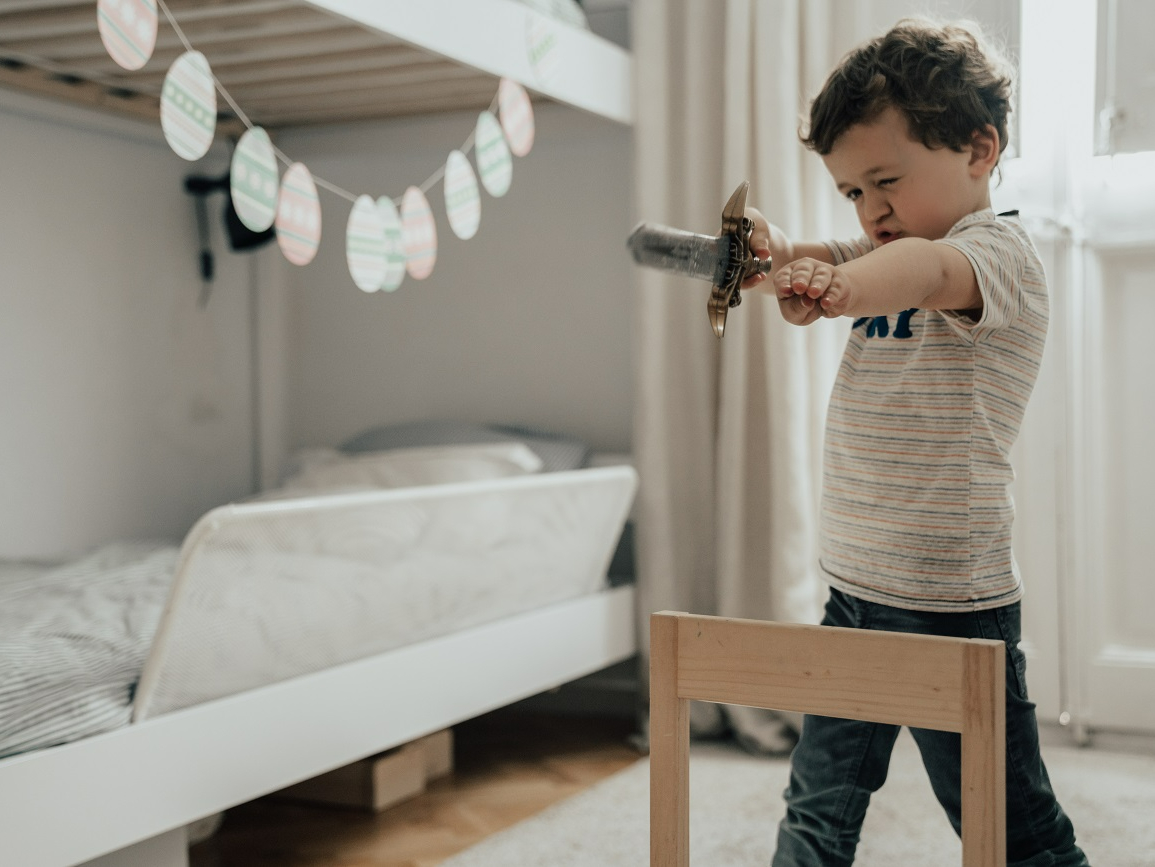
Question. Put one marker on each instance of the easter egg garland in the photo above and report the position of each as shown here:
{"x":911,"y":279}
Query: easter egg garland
{"x":382,"y":244}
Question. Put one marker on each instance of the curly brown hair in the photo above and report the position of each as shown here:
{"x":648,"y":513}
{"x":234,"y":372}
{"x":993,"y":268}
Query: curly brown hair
{"x":946,"y":80}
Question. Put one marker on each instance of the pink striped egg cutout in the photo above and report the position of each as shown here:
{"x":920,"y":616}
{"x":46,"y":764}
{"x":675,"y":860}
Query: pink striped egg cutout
{"x":128,"y":30}
{"x":418,"y":233}
{"x":516,"y":116}
{"x":298,"y":216}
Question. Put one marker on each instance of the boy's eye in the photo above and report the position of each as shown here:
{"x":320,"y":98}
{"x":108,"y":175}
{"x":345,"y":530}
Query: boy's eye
{"x":853,"y":195}
{"x":887,"y":181}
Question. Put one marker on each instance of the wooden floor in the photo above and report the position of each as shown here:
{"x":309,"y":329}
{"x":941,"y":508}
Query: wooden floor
{"x":508,"y":766}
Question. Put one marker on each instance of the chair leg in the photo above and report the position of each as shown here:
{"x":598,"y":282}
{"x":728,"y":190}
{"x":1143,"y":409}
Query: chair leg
{"x":984,"y":790}
{"x":669,"y":750}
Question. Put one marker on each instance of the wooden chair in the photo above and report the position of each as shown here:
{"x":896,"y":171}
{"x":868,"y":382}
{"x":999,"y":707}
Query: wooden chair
{"x":949,"y":684}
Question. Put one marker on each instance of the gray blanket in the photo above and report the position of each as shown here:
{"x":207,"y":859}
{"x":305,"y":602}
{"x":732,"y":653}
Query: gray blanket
{"x":73,"y":641}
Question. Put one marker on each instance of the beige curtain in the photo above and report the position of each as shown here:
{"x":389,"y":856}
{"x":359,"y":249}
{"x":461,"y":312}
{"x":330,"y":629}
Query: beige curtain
{"x":728,"y":432}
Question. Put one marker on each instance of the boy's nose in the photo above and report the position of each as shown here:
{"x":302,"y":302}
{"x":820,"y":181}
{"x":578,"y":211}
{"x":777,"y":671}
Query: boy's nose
{"x":875,"y":207}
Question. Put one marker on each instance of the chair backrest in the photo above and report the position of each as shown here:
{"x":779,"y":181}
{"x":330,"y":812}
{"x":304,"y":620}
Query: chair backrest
{"x":948,"y":684}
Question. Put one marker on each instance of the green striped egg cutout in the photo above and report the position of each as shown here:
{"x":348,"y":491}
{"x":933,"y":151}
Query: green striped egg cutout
{"x":418,"y":234}
{"x":462,"y":201}
{"x":188,"y":106}
{"x":298,"y":216}
{"x":253,"y":180}
{"x":493,"y":161}
{"x":128,"y":30}
{"x":365,"y":245}
{"x":543,"y":47}
{"x":516,"y":116}
{"x":394,"y":244}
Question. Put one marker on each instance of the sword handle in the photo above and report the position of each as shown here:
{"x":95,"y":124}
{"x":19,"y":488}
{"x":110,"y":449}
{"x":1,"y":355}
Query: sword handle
{"x":742,"y":263}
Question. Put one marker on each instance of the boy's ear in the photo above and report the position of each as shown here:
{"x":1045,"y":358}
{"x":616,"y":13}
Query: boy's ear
{"x":985,"y":150}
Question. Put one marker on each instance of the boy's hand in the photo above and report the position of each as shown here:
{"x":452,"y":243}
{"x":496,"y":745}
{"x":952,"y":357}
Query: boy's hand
{"x":766,"y":240}
{"x":808,"y":290}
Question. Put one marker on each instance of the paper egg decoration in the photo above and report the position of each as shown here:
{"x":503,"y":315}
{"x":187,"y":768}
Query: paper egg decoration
{"x":394,"y":244}
{"x":516,"y":116}
{"x":253,"y":180}
{"x":128,"y":30}
{"x":365,"y":245}
{"x":542,"y":46}
{"x":298,"y":216}
{"x":462,"y":201}
{"x":418,"y":234}
{"x":188,"y":106}
{"x":493,"y":161}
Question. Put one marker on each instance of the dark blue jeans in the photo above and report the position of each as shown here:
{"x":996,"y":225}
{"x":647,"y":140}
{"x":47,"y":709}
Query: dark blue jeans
{"x":838,"y":764}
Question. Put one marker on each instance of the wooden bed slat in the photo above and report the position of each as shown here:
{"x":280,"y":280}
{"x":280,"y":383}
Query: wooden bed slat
{"x":320,"y":113}
{"x":279,"y":48}
{"x":81,"y":19}
{"x":204,"y":35}
{"x":13,"y":6}
{"x":425,"y":78}
{"x":28,"y":25}
{"x":303,"y":66}
{"x":85,"y":93}
{"x":469,"y":92}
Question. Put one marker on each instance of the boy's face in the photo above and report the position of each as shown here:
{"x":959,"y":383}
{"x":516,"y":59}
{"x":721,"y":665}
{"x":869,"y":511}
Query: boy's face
{"x":899,"y":186}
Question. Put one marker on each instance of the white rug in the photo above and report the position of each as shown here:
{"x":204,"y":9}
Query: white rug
{"x":736,"y":802}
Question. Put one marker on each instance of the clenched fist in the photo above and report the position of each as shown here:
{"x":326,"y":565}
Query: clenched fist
{"x":808,"y":290}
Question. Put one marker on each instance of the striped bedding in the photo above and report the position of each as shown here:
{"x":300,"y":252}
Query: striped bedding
{"x":73,"y":640}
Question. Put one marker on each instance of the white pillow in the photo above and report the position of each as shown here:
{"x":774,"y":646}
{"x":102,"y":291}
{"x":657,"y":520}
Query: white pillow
{"x":328,"y":469}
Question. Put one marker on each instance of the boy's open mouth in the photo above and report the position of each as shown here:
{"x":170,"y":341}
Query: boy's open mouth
{"x":883,"y":236}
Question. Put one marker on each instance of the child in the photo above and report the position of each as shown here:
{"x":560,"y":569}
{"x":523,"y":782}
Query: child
{"x":950,"y":314}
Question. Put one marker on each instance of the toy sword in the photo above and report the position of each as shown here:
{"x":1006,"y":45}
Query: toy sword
{"x":725,"y":260}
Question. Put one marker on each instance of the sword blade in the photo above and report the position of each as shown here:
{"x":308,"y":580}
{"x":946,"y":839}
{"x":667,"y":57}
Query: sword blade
{"x":700,"y":256}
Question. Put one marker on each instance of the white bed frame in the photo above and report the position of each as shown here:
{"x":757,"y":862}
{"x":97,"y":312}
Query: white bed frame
{"x":123,"y":799}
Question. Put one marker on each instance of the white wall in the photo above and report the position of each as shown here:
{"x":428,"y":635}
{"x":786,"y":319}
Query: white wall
{"x":528,"y":322}
{"x":126,"y":409}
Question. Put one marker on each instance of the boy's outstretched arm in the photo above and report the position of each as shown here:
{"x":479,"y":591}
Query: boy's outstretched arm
{"x":768,"y":240}
{"x":909,"y":272}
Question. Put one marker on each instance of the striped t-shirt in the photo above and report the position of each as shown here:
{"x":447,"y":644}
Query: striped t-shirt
{"x":916,"y":506}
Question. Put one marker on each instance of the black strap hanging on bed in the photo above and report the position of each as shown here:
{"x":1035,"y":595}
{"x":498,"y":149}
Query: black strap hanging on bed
{"x":206,"y":253}
{"x":200,"y":188}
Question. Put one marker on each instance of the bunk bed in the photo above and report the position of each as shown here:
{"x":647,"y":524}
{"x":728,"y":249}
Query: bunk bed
{"x":199,"y":743}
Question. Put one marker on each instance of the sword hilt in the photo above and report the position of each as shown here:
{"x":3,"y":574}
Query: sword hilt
{"x":742,"y":264}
